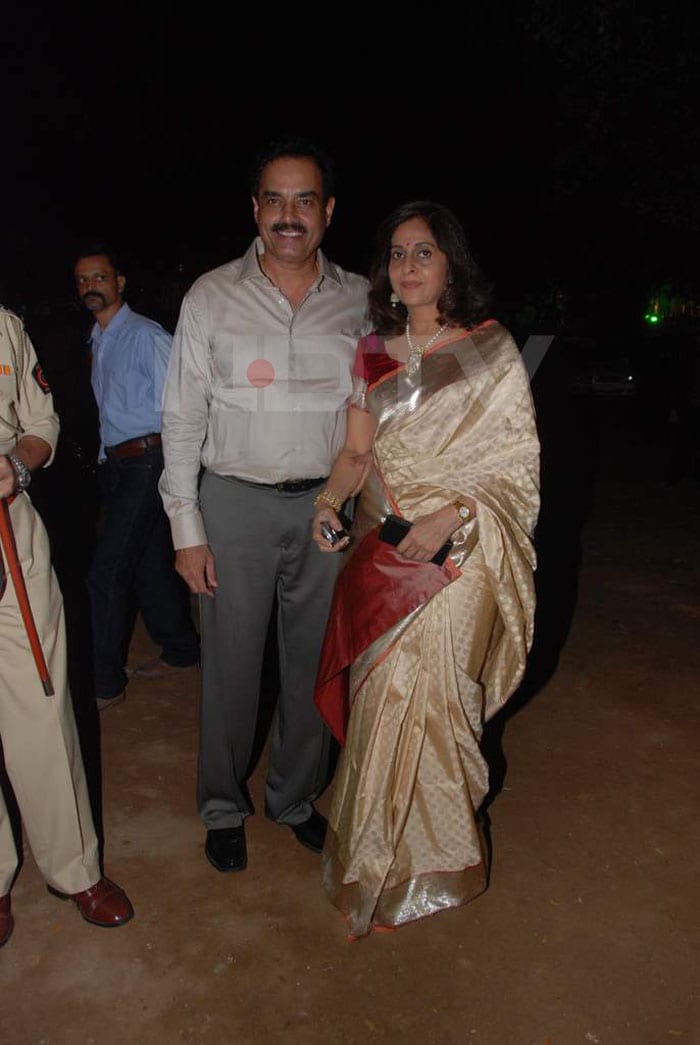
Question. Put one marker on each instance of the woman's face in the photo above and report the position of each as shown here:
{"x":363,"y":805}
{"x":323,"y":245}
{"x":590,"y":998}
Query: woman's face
{"x":418,"y":269}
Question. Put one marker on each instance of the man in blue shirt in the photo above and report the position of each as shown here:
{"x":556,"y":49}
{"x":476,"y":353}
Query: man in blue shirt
{"x":134,"y":550}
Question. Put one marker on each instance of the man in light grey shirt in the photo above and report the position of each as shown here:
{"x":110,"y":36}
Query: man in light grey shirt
{"x":259,"y":378}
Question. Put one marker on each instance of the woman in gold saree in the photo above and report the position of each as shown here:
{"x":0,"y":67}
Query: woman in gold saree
{"x":418,"y":656}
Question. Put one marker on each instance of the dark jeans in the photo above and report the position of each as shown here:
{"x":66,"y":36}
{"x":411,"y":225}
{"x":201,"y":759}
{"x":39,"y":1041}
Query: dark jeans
{"x":134,"y":555}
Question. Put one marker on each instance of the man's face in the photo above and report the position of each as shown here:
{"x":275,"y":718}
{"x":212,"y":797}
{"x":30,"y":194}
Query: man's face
{"x":289,"y":209}
{"x":98,"y":283}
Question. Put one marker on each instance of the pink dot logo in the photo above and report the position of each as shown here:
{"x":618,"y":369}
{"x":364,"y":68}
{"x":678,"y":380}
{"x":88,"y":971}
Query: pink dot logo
{"x":260,"y":373}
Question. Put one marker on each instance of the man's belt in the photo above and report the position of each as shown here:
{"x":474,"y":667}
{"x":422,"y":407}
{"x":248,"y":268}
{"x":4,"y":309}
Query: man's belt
{"x":288,"y":486}
{"x":134,"y":447}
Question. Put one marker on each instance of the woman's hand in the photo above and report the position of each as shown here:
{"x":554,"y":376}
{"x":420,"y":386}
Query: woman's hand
{"x":326,"y":514}
{"x":428,"y":534}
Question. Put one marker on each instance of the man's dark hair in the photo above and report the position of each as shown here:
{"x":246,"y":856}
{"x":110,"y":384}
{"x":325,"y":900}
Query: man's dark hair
{"x":301,"y":148}
{"x":465,"y":300}
{"x":89,"y":250}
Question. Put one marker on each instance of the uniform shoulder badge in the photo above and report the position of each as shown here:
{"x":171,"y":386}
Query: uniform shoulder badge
{"x":40,"y":378}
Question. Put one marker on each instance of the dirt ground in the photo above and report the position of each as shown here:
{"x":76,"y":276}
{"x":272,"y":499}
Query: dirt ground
{"x":588,"y":931}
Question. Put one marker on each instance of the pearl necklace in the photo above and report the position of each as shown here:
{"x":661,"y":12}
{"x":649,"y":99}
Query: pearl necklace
{"x":415,"y":352}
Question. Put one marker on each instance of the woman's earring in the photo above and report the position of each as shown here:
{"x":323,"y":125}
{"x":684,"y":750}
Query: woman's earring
{"x":394,"y":299}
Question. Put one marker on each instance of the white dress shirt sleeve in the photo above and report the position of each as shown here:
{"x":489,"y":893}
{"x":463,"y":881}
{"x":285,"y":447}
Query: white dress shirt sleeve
{"x":162,"y":343}
{"x":186,"y":399}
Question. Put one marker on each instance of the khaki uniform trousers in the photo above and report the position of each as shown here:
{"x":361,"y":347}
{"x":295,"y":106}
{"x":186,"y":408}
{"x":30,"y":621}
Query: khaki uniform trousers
{"x":38,"y":733}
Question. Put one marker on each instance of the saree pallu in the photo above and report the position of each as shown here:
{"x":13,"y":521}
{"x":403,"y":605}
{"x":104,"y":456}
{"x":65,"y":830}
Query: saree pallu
{"x":418,"y":657}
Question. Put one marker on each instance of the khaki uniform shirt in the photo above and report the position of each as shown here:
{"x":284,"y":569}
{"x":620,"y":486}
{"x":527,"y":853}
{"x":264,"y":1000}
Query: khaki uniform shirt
{"x":254,"y":389}
{"x":26,"y":403}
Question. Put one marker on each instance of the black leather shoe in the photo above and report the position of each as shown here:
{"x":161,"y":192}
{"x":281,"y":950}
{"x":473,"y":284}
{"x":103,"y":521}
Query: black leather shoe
{"x":226,"y":848}
{"x":312,"y":832}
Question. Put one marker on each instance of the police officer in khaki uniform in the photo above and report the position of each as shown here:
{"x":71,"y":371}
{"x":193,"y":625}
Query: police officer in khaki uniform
{"x":38,"y":734}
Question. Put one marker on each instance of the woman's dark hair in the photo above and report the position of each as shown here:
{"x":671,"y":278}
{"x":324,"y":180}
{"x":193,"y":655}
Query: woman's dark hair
{"x":466,"y":298}
{"x":300,"y":148}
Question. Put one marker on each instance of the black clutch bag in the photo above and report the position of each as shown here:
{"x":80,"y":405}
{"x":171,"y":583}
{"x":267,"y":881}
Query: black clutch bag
{"x":394,"y":529}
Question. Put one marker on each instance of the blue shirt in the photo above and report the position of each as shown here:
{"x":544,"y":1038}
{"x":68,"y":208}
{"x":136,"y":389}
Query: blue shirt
{"x":129,"y":361}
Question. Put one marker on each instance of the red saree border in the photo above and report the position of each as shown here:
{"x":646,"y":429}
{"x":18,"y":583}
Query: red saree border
{"x":398,"y":365}
{"x":375,"y":591}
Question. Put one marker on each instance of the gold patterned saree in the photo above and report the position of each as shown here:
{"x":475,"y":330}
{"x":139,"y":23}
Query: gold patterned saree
{"x":417,"y":656}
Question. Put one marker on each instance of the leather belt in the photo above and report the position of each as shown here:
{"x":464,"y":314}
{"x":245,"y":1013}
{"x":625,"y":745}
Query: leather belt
{"x":134,"y":447}
{"x":289,"y":486}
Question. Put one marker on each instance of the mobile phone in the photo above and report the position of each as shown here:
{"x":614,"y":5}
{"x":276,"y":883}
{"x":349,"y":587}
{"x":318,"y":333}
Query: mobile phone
{"x":394,"y":529}
{"x":331,"y":535}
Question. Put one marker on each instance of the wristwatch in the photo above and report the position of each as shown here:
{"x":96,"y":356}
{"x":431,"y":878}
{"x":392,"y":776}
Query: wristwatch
{"x":462,"y":510}
{"x":24,"y":476}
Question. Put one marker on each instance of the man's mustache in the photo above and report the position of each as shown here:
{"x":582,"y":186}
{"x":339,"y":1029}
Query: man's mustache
{"x":287,"y":226}
{"x":95,"y":294}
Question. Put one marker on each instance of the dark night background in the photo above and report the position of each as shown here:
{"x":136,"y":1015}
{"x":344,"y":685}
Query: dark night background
{"x":571,"y":159}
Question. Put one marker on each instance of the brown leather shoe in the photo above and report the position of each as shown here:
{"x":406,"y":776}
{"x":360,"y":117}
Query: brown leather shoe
{"x":103,"y":904}
{"x":7,"y":922}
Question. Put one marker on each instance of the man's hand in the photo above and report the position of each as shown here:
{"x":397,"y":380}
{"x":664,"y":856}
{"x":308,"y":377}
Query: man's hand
{"x":33,"y":451}
{"x":196,"y":567}
{"x":8,"y":478}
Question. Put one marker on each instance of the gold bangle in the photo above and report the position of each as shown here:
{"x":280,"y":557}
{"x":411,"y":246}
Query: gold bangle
{"x":331,"y":499}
